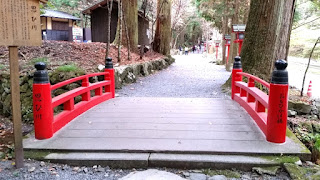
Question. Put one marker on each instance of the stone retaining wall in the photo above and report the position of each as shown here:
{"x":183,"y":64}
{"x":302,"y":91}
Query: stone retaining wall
{"x":123,"y":75}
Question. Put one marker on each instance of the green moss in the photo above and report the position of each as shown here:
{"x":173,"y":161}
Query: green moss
{"x":295,"y":171}
{"x":37,"y":155}
{"x":282,"y":159}
{"x":290,"y":135}
{"x":2,"y":66}
{"x":68,"y":68}
{"x":227,"y":173}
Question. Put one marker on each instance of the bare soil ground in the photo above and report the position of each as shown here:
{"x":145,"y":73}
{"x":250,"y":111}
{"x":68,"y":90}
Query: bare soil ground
{"x":85,"y":55}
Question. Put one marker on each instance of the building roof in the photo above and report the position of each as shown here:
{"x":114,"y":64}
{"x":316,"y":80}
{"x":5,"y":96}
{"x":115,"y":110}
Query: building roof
{"x":100,"y":3}
{"x":58,"y":14}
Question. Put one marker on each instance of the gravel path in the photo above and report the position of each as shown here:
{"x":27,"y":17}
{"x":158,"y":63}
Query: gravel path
{"x":191,"y":76}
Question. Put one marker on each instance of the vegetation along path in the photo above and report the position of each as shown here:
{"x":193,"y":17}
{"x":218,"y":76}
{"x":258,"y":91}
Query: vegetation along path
{"x":192,"y":76}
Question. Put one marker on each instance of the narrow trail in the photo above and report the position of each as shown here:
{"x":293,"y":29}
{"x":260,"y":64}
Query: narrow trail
{"x":191,"y":76}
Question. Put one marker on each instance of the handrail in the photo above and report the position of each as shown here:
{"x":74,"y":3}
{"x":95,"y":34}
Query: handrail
{"x":80,"y":78}
{"x":268,"y":111}
{"x":264,"y":83}
{"x":45,"y":123}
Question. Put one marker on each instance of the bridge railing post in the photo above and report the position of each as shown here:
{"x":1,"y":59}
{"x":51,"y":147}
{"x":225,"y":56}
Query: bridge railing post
{"x":278,"y":104}
{"x":237,"y":67}
{"x":42,"y":103}
{"x":110,"y":70}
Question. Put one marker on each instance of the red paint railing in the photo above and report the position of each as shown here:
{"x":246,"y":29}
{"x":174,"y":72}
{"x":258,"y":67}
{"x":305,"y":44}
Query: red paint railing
{"x":45,"y":122}
{"x":268,"y":111}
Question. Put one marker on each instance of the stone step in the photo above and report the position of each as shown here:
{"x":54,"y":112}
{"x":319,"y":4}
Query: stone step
{"x":149,"y":160}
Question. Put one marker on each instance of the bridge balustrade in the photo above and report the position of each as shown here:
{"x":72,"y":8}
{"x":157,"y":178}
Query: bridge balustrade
{"x":45,"y":122}
{"x":268,"y":110}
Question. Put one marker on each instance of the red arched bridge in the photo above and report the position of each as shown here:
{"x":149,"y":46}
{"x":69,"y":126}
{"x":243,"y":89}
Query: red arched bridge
{"x":162,"y":129}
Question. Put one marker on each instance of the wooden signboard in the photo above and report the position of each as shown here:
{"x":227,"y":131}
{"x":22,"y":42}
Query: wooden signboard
{"x":19,"y":26}
{"x":20,"y":23}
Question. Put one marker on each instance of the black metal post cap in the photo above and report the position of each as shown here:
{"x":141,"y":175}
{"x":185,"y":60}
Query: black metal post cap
{"x":109,"y":64}
{"x":281,"y":64}
{"x":237,"y":63}
{"x":41,"y":75}
{"x":280,"y":74}
{"x":237,"y":58}
{"x":40,"y":66}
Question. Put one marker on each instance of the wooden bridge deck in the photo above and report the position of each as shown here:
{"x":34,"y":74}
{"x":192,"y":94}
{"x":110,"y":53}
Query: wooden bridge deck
{"x":165,"y":125}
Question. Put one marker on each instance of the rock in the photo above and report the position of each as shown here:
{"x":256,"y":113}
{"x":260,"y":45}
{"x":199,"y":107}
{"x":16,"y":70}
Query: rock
{"x":118,"y":80}
{"x":95,"y":167}
{"x":314,"y":117}
{"x":245,"y":177}
{"x":314,"y":110}
{"x":100,"y":169}
{"x":316,"y":127}
{"x":76,"y":169}
{"x":299,"y":163}
{"x":186,"y":174}
{"x":2,"y":155}
{"x":306,"y":125}
{"x":295,"y":171}
{"x":309,"y":163}
{"x":151,"y":174}
{"x":136,"y":69}
{"x":197,"y":176}
{"x":64,"y":167}
{"x":85,"y":170}
{"x":266,"y":170}
{"x":130,"y":78}
{"x":31,"y":169}
{"x":292,"y":113}
{"x":123,"y":71}
{"x":196,"y":171}
{"x":218,"y":177}
{"x":300,"y":107}
{"x":42,"y":164}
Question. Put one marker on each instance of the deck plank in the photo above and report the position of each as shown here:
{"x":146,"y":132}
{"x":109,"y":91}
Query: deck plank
{"x":182,"y":125}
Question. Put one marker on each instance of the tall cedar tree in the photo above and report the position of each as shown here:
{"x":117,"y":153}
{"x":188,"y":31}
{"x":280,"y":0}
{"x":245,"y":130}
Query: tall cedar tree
{"x":233,"y":46}
{"x":162,"y":36}
{"x":267,"y":35}
{"x":130,"y":14}
{"x":130,"y":18}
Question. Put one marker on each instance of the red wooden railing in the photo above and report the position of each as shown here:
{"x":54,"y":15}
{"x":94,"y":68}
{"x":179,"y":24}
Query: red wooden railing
{"x":45,"y":123}
{"x":268,"y":111}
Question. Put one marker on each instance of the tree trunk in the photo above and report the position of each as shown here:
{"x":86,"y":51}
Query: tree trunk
{"x":126,"y":33}
{"x":120,"y":18}
{"x":130,"y":15}
{"x":108,"y":27}
{"x":224,"y":32}
{"x":233,"y":46}
{"x":162,"y":37}
{"x":267,"y":33}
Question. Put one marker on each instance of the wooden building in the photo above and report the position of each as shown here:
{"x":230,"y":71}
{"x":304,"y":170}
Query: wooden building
{"x":99,"y":21}
{"x":57,"y":25}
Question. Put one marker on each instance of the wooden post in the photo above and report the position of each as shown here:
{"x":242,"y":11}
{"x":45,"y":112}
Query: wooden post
{"x":16,"y":105}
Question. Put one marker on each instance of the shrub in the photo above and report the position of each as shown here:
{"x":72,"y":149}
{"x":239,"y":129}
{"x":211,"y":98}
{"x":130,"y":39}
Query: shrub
{"x":68,"y":68}
{"x":39,"y":59}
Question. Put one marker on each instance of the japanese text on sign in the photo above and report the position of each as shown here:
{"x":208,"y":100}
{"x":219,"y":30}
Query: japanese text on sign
{"x":20,"y":23}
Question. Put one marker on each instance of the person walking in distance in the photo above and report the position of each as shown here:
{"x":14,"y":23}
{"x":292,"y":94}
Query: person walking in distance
{"x":186,"y":49}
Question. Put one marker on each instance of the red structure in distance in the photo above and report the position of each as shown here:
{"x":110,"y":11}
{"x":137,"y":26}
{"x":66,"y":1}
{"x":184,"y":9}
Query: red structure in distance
{"x":227,"y":38}
{"x":239,"y":29}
